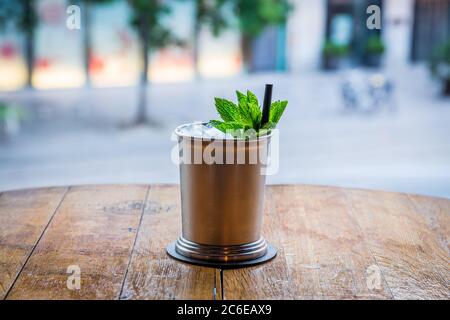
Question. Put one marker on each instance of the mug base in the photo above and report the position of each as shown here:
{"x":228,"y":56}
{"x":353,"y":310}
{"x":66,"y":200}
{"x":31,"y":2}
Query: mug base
{"x":269,"y":253}
{"x":221,"y":253}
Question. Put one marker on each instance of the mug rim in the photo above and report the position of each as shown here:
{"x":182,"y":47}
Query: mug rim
{"x":177,"y":131}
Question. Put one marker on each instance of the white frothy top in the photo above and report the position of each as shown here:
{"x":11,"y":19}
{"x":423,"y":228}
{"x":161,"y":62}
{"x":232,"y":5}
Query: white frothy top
{"x":201,"y":130}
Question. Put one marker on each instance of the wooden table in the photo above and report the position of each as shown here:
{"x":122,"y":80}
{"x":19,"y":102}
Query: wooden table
{"x":333,"y":243}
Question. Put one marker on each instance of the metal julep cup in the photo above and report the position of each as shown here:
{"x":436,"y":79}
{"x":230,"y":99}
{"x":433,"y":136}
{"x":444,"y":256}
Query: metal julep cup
{"x":222,"y":197}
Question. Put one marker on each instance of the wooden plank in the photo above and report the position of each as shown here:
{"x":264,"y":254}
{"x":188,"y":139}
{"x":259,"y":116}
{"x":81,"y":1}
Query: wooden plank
{"x":267,"y":281}
{"x":24,"y":215}
{"x":94,"y":228}
{"x":152,"y":273}
{"x":407,"y":244}
{"x":326,"y":253}
{"x":436,"y":212}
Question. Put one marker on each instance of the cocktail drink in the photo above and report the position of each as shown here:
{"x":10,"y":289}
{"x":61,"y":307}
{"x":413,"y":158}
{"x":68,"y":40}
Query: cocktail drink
{"x":222,"y":180}
{"x":222,"y":194}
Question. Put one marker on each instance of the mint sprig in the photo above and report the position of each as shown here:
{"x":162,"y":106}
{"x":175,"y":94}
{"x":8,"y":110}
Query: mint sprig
{"x":237,"y":119}
{"x":276,"y":111}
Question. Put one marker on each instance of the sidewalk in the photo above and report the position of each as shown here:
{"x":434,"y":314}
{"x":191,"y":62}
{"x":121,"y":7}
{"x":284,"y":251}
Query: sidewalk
{"x":77,"y":137}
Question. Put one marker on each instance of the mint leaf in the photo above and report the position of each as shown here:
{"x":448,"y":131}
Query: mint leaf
{"x":276,"y":111}
{"x":216,"y":124}
{"x":227,"y":110}
{"x":269,"y":125}
{"x":244,"y":112}
{"x":255,"y":110}
{"x":242,"y":98}
{"x":251,"y":98}
{"x":266,"y":128}
{"x":226,"y":126}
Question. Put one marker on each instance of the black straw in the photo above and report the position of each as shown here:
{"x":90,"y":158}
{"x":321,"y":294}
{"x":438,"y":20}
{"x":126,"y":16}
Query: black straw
{"x":266,"y":104}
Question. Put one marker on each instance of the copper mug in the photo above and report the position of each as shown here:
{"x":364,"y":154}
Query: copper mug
{"x":222,"y":199}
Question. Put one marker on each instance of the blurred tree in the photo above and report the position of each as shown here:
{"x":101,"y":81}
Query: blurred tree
{"x":254,"y":16}
{"x":147,"y":19}
{"x":211,"y":14}
{"x":22,"y":14}
{"x":86,"y":6}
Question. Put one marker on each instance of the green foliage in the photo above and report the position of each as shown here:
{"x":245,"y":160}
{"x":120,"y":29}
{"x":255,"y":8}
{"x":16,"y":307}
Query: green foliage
{"x":3,"y":111}
{"x":237,"y":119}
{"x":21,"y":13}
{"x":234,"y":127}
{"x":254,"y":15}
{"x":211,"y":14}
{"x":7,"y":111}
{"x":92,"y":2}
{"x":332,"y":49}
{"x":440,"y":61}
{"x":276,"y":111}
{"x":147,"y":18}
{"x":8,"y":10}
{"x":375,"y":45}
{"x":254,"y":110}
{"x":98,"y":1}
{"x":227,"y":110}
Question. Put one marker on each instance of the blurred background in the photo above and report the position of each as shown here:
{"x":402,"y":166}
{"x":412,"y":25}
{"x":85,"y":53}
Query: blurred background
{"x":91,"y":90}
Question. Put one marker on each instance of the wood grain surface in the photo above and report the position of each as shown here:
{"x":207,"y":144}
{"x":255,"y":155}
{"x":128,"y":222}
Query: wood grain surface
{"x":333,"y":243}
{"x":24,"y":215}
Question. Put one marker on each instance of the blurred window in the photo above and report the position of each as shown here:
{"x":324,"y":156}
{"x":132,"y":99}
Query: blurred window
{"x":431,"y":26}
